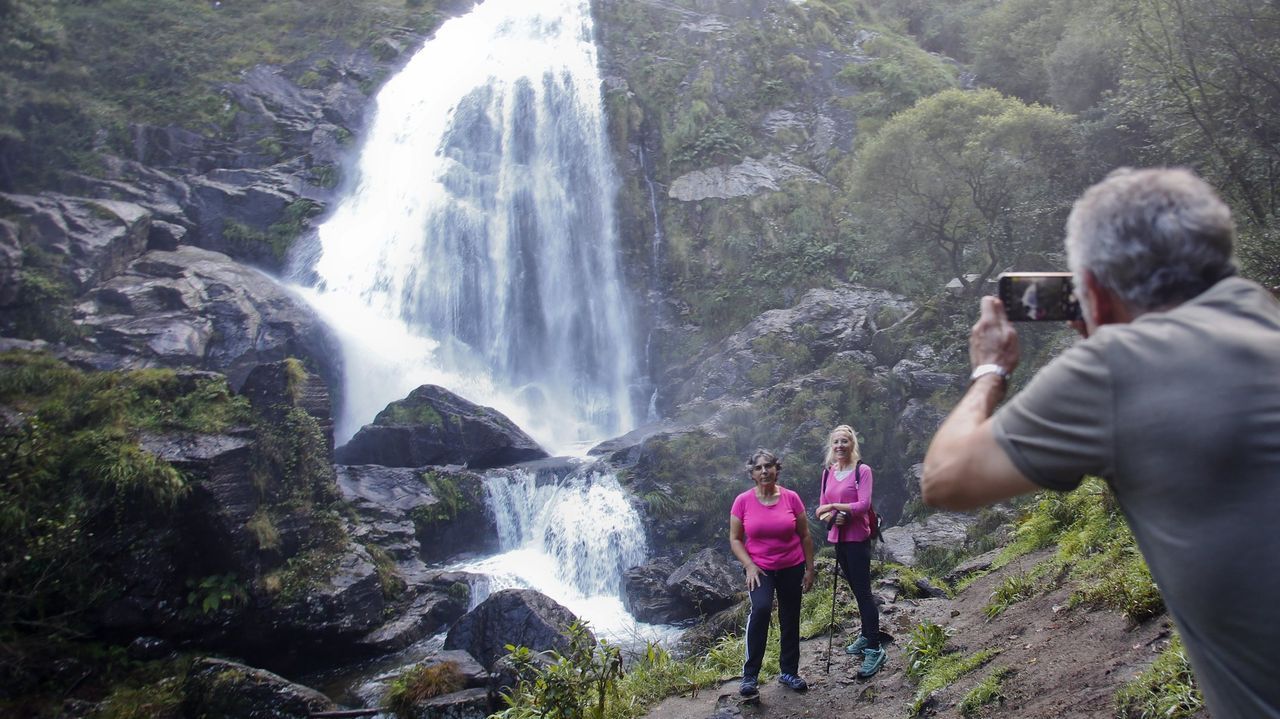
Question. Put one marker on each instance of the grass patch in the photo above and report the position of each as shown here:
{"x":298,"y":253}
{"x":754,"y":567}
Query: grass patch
{"x":1165,"y":691}
{"x":1015,"y":588}
{"x":419,"y":683}
{"x":986,"y":692}
{"x":945,"y":671}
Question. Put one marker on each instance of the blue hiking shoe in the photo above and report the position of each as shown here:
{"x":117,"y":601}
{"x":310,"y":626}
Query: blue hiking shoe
{"x":858,"y":646}
{"x":793,"y":682}
{"x":872,"y":660}
{"x":750,"y":687}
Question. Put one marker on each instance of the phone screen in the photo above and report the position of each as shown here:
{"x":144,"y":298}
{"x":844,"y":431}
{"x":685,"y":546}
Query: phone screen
{"x":1038,"y":296}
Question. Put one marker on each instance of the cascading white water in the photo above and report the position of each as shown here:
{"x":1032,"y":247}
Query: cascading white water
{"x":571,"y":539}
{"x":478,"y":247}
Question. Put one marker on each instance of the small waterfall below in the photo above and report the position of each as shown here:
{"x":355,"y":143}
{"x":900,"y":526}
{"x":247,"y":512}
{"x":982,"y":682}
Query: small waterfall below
{"x":570,"y":537}
{"x":477,"y":248}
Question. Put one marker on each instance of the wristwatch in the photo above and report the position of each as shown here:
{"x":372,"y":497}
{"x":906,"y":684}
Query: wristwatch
{"x":983,"y":370}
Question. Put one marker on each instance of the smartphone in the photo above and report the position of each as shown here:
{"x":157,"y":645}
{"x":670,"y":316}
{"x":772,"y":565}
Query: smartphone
{"x":1038,"y":296}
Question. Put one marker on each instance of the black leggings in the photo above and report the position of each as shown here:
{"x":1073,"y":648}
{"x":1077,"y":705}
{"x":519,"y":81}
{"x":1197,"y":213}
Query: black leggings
{"x":789,"y":585}
{"x":854,"y":559}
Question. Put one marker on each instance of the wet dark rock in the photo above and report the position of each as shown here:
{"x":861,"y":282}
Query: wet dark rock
{"x":433,"y":426}
{"x":437,"y":600}
{"x":145,"y":649}
{"x":192,"y":307}
{"x":428,"y":513}
{"x":702,"y":636}
{"x":276,"y":388}
{"x":649,"y":599}
{"x":707,"y":582}
{"x":221,"y":688}
{"x":522,"y":617}
{"x":466,"y":704}
{"x":973,"y":565}
{"x":94,"y":239}
{"x":340,"y":609}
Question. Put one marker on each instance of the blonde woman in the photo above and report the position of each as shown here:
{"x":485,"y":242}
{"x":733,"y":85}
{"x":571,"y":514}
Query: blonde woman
{"x":845,"y":504}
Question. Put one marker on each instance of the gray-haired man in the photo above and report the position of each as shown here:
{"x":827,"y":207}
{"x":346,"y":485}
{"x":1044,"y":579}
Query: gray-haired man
{"x":1173,"y":397}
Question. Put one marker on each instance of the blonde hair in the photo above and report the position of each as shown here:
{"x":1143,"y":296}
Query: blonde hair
{"x":855,"y":452}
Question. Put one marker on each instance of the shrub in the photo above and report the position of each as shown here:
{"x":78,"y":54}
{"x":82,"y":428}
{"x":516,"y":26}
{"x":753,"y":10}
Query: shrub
{"x":925,"y":647}
{"x":422,"y":682}
{"x":575,"y":684}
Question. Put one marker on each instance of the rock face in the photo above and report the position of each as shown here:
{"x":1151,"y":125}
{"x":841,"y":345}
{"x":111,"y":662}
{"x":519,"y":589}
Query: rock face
{"x":943,"y":530}
{"x":433,"y":426}
{"x":93,"y":240}
{"x":196,"y":308}
{"x":522,"y":617}
{"x":747,"y":178}
{"x":428,"y":514}
{"x":220,"y":688}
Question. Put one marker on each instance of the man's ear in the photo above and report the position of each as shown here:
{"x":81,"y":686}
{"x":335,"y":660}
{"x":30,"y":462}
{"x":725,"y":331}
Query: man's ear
{"x":1103,"y":306}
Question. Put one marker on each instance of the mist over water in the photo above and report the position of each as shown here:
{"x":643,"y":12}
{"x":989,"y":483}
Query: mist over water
{"x":570,"y":539}
{"x":477,"y":249}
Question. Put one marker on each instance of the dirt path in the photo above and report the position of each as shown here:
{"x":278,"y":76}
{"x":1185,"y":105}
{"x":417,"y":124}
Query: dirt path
{"x":1066,"y":663}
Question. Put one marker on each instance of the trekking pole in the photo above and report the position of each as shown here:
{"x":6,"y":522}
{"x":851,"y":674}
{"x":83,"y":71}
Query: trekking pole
{"x":831,"y":629}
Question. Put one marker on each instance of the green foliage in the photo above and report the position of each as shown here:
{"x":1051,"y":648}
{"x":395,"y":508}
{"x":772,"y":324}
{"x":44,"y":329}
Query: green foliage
{"x":576,"y":684}
{"x":210,"y":594}
{"x":451,"y":500}
{"x":291,"y":459}
{"x":1165,"y":691}
{"x":719,"y":141}
{"x":71,"y":470}
{"x":898,"y":75}
{"x":389,"y":579}
{"x":419,"y":683}
{"x":925,"y":647}
{"x":1015,"y":588}
{"x":985,"y":692}
{"x":971,"y":180}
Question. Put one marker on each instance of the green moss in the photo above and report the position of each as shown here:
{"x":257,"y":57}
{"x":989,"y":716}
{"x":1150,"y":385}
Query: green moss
{"x":403,"y":413}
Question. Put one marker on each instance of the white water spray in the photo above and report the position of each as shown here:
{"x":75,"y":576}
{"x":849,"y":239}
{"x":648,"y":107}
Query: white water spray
{"x":478,"y":247}
{"x":571,"y":539}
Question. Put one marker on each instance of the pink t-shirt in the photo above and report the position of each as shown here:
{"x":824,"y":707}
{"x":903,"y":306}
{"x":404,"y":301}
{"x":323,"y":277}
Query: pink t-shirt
{"x":857,"y":494}
{"x":771,"y":538}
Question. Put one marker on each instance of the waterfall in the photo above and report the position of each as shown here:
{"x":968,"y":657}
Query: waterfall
{"x":477,"y":248}
{"x":570,"y":538}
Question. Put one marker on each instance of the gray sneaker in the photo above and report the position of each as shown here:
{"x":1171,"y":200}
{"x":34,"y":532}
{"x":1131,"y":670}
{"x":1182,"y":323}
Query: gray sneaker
{"x":858,"y":645}
{"x":872,"y":660}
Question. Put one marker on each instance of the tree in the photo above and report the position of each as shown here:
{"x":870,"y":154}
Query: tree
{"x":1203,"y":81}
{"x":971,"y":179}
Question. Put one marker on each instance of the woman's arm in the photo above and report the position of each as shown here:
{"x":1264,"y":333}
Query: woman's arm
{"x":806,"y":542}
{"x":865,"y":486}
{"x":738,"y":544}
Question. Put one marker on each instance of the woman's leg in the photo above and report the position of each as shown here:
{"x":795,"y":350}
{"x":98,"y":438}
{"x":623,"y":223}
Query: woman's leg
{"x":758,"y":623}
{"x":790,"y":589}
{"x":855,"y":561}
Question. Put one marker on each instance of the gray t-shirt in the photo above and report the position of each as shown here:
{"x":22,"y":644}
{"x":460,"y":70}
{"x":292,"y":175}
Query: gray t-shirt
{"x":1180,"y":412}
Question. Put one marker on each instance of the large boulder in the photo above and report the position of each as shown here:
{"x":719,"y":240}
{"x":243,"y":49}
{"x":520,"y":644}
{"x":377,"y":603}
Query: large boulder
{"x":707,"y":582}
{"x":221,"y":689}
{"x":192,"y":307}
{"x":521,"y":617}
{"x":434,"y":601}
{"x":433,"y":426}
{"x":649,"y":599}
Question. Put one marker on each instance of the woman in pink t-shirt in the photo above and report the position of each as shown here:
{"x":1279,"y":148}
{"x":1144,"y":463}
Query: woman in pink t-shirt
{"x":845,"y":504}
{"x":769,"y":534}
